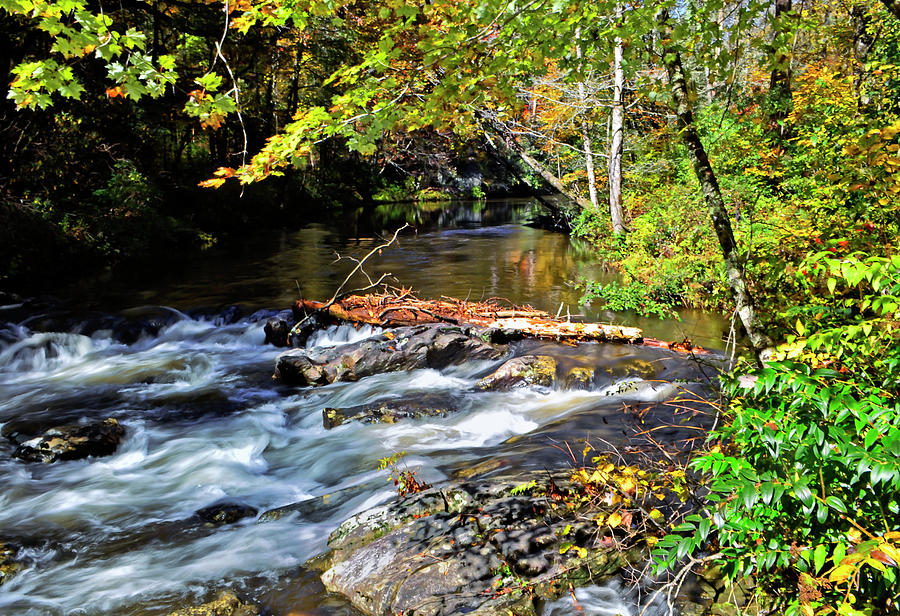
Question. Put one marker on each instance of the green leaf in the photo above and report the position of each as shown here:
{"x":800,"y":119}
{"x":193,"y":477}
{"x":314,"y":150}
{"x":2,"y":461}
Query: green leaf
{"x":819,"y":555}
{"x":836,"y":503}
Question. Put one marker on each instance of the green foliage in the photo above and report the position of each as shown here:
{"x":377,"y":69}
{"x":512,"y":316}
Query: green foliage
{"x":635,"y":296}
{"x":523,"y":488}
{"x":804,"y":487}
{"x":78,"y":33}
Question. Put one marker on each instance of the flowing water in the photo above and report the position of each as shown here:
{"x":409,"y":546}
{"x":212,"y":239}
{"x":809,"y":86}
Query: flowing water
{"x":191,"y":383}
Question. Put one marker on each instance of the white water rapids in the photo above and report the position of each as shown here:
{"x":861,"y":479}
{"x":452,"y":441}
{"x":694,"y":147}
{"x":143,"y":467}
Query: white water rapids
{"x":204,"y":424}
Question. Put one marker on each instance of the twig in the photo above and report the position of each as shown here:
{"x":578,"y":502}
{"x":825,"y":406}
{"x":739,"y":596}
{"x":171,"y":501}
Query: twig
{"x":338,"y":293}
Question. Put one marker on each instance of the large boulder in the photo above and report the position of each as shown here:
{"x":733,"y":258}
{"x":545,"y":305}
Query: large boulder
{"x":73,"y":442}
{"x":520,"y":372}
{"x":403,"y":348}
{"x":485,"y":547}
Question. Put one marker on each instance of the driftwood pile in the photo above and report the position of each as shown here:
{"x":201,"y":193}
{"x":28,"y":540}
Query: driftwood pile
{"x":404,"y":309}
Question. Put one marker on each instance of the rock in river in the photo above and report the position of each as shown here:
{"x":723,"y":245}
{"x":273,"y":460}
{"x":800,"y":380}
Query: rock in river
{"x":403,"y":348}
{"x":73,"y":442}
{"x":226,"y":604}
{"x":521,"y":371}
{"x":468,"y":548}
{"x":225,"y":513}
{"x":389,"y":411}
{"x":8,"y":564}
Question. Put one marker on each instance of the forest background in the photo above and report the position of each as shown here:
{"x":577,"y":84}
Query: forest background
{"x":735,"y":156}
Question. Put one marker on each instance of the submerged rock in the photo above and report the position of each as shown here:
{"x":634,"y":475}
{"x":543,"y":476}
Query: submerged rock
{"x":226,"y":604}
{"x":225,"y":513}
{"x":389,"y":411}
{"x":634,"y":367}
{"x":521,"y":371}
{"x":469,"y":548}
{"x":404,"y":348}
{"x":73,"y":442}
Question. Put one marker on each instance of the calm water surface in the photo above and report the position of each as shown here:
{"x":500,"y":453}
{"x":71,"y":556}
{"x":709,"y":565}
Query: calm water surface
{"x":466,"y":250}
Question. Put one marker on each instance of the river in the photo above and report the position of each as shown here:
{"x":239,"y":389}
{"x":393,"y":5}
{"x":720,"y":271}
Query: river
{"x":190,"y":380}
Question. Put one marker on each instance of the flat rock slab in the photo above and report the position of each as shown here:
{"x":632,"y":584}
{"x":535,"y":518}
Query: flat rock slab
{"x":467,"y":549}
{"x":390,"y":411}
{"x":73,"y":442}
{"x":404,"y":348}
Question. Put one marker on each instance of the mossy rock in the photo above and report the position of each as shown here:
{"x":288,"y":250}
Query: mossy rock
{"x":521,"y":371}
{"x":580,"y":377}
{"x":8,"y":565}
{"x":634,"y":367}
{"x":226,"y":604}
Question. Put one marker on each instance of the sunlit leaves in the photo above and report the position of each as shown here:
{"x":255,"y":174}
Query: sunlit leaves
{"x":813,"y":466}
{"x":79,"y":33}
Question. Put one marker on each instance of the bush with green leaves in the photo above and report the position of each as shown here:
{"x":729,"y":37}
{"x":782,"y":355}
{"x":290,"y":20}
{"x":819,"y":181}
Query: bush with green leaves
{"x":804,"y":479}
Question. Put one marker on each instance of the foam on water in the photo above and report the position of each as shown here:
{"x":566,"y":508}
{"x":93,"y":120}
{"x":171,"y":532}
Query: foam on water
{"x":44,"y":352}
{"x":336,"y":335}
{"x":204,"y":424}
{"x":610,"y":599}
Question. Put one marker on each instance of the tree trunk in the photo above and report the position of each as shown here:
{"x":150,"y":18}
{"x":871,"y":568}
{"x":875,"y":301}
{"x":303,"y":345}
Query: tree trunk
{"x":548,"y":176}
{"x":585,"y":135}
{"x":710,"y":186}
{"x":617,"y":130}
{"x":780,"y":96}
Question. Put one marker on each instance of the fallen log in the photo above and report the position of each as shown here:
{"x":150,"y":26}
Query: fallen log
{"x":389,"y":310}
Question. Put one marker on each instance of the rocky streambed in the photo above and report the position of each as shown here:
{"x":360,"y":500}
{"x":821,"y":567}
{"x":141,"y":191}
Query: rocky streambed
{"x":552,"y":466}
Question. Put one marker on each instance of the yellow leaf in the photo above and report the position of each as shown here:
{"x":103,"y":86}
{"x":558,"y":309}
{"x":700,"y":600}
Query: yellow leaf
{"x":841,"y":573}
{"x":614,"y":520}
{"x":891,"y":551}
{"x":628,"y":485}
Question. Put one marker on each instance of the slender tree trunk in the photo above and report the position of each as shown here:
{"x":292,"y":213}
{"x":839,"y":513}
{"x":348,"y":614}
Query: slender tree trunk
{"x":541,"y":170}
{"x":862,"y":45}
{"x":711,"y":192}
{"x":550,"y":178}
{"x":780,"y":95}
{"x":585,"y":135}
{"x":617,"y":135}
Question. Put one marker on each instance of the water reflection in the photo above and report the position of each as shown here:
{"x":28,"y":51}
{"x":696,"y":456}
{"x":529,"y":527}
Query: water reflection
{"x":473,"y":250}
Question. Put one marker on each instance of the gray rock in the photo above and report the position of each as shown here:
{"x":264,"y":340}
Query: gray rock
{"x":466,"y":548}
{"x":389,"y":411}
{"x":580,"y":377}
{"x":404,"y":348}
{"x":225,"y":513}
{"x":73,"y":442}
